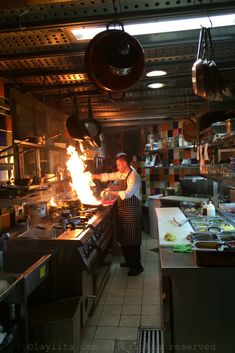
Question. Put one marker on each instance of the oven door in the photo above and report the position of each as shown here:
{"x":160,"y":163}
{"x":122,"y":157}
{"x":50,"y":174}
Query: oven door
{"x":103,"y":262}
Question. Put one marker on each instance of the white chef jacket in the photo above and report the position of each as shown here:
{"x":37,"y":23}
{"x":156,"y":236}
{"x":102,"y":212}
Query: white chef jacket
{"x":133,"y":183}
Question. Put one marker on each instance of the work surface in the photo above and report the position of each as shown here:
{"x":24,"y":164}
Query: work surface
{"x":166,"y":224}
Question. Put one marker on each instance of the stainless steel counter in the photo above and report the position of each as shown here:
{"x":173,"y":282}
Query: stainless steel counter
{"x":198,"y":310}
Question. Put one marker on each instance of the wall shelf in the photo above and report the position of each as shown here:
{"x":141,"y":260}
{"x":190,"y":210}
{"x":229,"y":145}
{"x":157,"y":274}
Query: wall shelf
{"x":6,"y":166}
{"x":168,"y":148}
{"x":176,"y":167}
{"x":36,"y":145}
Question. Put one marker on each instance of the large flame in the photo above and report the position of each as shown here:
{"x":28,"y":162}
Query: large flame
{"x":81,"y":180}
{"x":52,"y":202}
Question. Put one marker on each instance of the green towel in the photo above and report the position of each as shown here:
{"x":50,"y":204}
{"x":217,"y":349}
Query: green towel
{"x":182,"y":248}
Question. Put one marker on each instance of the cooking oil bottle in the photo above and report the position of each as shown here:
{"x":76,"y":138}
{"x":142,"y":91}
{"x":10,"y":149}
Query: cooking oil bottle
{"x":204,"y":209}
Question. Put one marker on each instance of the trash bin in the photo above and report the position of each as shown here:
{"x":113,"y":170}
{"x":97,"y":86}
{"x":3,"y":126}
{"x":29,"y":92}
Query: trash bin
{"x":145,"y":218}
{"x":153,"y":202}
{"x":55,"y":326}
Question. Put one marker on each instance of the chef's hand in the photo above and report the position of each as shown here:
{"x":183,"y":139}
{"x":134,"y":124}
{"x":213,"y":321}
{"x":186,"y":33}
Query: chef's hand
{"x":96,"y":176}
{"x":113,"y":193}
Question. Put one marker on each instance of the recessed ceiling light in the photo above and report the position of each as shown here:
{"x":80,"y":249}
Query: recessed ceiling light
{"x":156,"y":85}
{"x":85,"y":33}
{"x":156,"y":73}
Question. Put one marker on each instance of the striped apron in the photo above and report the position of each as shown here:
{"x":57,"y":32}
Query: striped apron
{"x":129,"y":218}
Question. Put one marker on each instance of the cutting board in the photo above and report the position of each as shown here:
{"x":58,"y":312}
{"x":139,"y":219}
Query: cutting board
{"x":166,"y":224}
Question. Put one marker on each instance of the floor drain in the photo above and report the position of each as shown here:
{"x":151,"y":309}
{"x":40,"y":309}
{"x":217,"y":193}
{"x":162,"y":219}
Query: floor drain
{"x":150,"y":340}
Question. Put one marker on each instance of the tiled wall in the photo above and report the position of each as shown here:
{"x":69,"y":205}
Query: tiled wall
{"x":156,"y":179}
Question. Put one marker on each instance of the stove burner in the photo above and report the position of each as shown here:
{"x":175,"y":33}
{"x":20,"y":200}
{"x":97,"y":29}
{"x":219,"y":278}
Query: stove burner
{"x":71,"y":215}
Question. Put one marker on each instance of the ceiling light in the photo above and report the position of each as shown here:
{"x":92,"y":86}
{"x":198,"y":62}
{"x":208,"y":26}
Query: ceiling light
{"x":156,"y":85}
{"x":155,"y":73}
{"x":85,"y":33}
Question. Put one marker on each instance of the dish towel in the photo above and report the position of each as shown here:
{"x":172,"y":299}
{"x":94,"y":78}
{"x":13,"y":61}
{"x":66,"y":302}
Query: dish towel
{"x":184,"y":248}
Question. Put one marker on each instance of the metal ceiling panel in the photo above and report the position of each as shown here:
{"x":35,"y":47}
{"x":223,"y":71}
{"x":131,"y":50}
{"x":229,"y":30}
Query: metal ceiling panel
{"x":39,"y":54}
{"x":72,"y":12}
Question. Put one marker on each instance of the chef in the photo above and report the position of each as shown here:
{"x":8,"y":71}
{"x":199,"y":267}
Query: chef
{"x":127,"y":191}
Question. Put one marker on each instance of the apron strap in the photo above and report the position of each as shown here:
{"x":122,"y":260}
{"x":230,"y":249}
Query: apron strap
{"x":128,"y":174}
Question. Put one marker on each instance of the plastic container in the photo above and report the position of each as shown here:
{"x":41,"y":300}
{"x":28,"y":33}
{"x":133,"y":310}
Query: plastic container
{"x":210,"y":209}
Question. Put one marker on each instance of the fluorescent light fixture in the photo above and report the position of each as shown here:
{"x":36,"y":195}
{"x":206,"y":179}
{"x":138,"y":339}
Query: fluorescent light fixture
{"x":156,"y":85}
{"x":155,"y":73}
{"x":85,"y":33}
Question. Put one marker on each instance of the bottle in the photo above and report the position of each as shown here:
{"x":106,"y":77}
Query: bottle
{"x":210,"y":209}
{"x":204,"y":209}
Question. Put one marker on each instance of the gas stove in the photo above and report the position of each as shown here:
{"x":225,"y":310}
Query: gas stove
{"x":81,"y":220}
{"x":83,"y":250}
{"x":71,"y":214}
{"x":86,"y":229}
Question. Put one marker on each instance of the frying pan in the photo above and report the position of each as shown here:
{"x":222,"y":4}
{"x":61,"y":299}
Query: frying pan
{"x":75,"y":126}
{"x":114,"y":60}
{"x":92,"y":126}
{"x":199,"y":69}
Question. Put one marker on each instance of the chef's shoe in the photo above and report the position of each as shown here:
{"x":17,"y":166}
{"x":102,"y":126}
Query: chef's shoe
{"x":135,"y":271}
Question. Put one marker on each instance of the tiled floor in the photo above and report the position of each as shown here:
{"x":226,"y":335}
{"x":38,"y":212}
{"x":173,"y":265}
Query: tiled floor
{"x":126,"y":304}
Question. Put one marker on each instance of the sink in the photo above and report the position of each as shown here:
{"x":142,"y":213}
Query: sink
{"x":34,"y":266}
{"x":8,"y":282}
{"x":41,"y":232}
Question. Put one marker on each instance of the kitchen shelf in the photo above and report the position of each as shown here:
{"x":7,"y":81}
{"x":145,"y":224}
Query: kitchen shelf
{"x":168,"y":148}
{"x":177,"y":167}
{"x":36,"y":145}
{"x":4,"y":106}
{"x":220,"y":140}
{"x":6,"y":166}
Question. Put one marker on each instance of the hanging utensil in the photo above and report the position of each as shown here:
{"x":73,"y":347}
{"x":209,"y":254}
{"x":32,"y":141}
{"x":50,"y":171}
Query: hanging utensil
{"x":114,"y":60}
{"x":75,"y":126}
{"x":92,"y":126}
{"x":215,"y":90}
{"x":189,"y":130}
{"x":199,"y":67}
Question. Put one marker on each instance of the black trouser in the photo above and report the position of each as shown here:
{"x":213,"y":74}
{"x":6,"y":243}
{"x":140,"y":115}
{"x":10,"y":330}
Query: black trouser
{"x":131,"y":255}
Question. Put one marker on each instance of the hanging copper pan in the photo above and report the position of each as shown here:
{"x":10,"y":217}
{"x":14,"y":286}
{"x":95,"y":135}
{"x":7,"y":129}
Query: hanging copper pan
{"x":189,"y":131}
{"x":114,"y":60}
{"x":200,"y":68}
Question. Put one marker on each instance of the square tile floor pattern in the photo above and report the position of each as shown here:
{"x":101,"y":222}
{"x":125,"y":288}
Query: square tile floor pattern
{"x":125,"y":304}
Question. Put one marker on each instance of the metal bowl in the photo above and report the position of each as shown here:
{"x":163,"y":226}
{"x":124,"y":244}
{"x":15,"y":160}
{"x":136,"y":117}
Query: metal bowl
{"x":204,"y":237}
{"x":206,"y":245}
